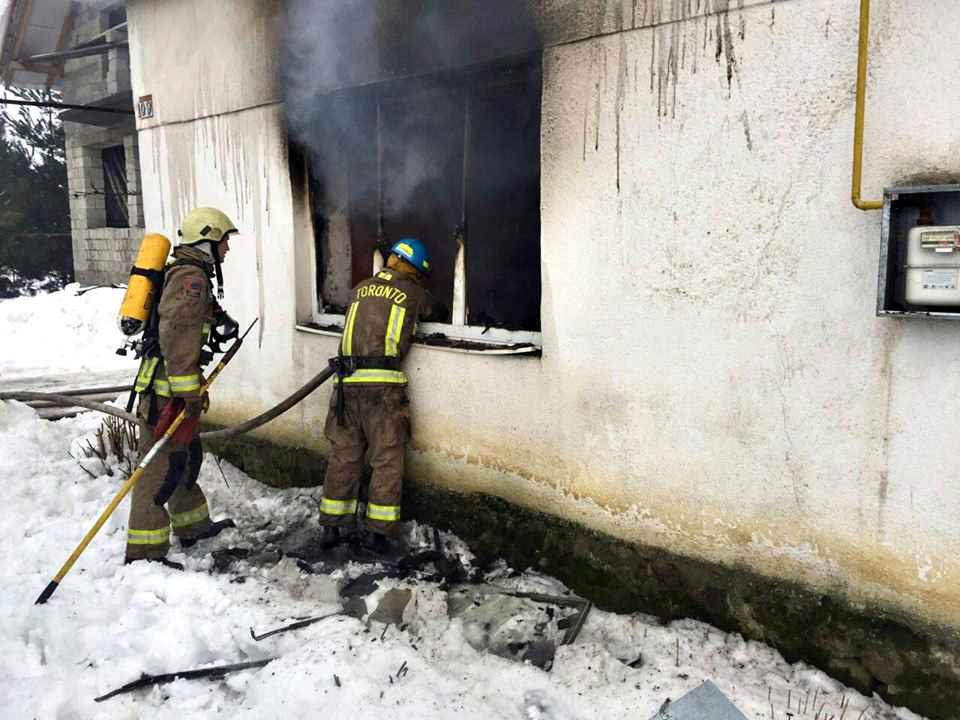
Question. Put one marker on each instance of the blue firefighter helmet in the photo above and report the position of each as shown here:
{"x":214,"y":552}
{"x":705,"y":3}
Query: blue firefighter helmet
{"x":414,"y":252}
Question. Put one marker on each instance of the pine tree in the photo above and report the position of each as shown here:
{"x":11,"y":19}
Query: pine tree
{"x":35,"y":249}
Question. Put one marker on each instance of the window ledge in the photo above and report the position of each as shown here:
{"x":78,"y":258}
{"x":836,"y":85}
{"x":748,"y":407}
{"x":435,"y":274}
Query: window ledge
{"x":449,"y":338}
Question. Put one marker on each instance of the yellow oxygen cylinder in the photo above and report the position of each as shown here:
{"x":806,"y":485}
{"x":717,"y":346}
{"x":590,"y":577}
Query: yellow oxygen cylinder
{"x":141,"y":289}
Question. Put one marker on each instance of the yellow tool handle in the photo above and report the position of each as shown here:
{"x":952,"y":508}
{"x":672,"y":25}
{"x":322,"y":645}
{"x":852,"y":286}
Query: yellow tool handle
{"x":131,"y":481}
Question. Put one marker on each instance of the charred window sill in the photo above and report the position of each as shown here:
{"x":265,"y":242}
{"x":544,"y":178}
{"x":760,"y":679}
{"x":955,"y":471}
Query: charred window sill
{"x":439,"y":341}
{"x":448,"y":338}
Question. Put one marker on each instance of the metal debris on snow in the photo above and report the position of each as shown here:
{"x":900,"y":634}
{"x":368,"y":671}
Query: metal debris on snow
{"x":705,"y":702}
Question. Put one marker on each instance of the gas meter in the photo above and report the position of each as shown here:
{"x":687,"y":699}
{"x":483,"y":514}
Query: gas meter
{"x":932,"y":267}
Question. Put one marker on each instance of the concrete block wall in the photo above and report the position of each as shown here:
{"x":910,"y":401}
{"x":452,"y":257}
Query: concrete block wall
{"x":88,"y":79}
{"x":102,"y":255}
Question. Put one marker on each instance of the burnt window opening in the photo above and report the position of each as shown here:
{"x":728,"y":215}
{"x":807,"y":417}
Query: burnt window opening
{"x":452,"y":158}
{"x":115,"y":187}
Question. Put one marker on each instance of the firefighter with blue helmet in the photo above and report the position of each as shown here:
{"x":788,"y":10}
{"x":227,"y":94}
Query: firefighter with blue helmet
{"x":414,"y":252}
{"x":369,"y":409}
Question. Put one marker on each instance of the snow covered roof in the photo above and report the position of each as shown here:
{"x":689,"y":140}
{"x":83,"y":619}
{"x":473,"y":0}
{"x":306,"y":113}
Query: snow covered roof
{"x":29,"y":28}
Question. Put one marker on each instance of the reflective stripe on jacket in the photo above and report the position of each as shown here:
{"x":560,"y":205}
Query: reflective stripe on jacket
{"x":186,"y":316}
{"x":381,"y":322}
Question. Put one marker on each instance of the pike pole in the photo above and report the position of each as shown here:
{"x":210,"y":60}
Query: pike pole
{"x":147,"y":459}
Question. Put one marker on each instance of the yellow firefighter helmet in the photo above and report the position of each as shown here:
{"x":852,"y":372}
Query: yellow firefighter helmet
{"x":205,"y":224}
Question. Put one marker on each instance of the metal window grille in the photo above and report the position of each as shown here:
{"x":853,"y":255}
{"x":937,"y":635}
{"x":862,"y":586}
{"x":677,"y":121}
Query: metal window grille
{"x":115,"y":187}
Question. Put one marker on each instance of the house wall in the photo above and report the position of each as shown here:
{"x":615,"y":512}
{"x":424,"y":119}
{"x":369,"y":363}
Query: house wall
{"x":714,"y":380}
{"x":101,"y":255}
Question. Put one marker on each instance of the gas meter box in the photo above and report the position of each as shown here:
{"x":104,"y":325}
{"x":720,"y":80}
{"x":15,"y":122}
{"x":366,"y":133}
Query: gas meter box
{"x":920,"y":253}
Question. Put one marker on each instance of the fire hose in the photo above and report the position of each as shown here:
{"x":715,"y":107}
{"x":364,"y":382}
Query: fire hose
{"x":275,"y":411}
{"x":58,"y":400}
{"x":214,"y":435}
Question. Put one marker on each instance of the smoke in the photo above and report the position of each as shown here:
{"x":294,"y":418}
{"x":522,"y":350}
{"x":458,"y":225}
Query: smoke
{"x":391,"y":157}
{"x":333,"y":44}
{"x":336,"y":44}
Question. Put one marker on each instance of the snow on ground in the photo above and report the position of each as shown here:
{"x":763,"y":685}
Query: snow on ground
{"x":108,"y":622}
{"x":61,"y":333}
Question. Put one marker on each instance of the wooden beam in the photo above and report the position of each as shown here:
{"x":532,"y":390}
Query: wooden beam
{"x":18,"y":40}
{"x":62,"y":40}
{"x":43,"y":68}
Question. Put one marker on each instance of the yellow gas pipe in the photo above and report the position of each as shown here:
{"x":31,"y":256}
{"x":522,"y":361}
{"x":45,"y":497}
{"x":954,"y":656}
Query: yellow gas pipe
{"x":861,"y":101}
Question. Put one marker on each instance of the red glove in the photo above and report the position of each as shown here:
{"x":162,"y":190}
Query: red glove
{"x":186,"y":429}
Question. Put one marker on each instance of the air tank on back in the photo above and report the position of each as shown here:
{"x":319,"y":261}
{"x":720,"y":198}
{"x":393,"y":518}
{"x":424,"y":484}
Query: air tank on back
{"x":143,"y":287}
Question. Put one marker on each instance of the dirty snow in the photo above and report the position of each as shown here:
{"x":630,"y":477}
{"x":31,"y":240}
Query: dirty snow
{"x":108,"y":622}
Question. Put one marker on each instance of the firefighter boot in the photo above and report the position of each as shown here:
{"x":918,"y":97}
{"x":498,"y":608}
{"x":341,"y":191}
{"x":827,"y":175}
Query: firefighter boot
{"x":331,"y":537}
{"x":376,"y":543}
{"x":162,"y":560}
{"x":212,"y":531}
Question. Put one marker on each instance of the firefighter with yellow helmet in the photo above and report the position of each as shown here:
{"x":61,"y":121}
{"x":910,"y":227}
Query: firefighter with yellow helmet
{"x":167,"y":497}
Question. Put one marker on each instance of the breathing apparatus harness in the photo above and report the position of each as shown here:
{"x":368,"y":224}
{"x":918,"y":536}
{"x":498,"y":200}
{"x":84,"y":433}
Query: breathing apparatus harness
{"x":223,"y":329}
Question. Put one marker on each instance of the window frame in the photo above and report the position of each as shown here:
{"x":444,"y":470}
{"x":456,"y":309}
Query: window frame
{"x":505,"y":71}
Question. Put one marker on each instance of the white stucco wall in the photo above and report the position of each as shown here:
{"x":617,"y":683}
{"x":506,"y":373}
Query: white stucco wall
{"x":714,"y":379}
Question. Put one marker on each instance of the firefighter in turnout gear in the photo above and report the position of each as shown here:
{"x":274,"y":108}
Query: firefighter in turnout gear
{"x":167,"y":495}
{"x":368,"y":408}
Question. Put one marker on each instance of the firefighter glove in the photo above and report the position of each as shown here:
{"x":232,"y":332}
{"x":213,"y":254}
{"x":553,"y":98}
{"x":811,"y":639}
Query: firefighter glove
{"x":191,"y":406}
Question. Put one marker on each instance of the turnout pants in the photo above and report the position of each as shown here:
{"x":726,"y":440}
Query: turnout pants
{"x":148,"y":534}
{"x":376,"y":418}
